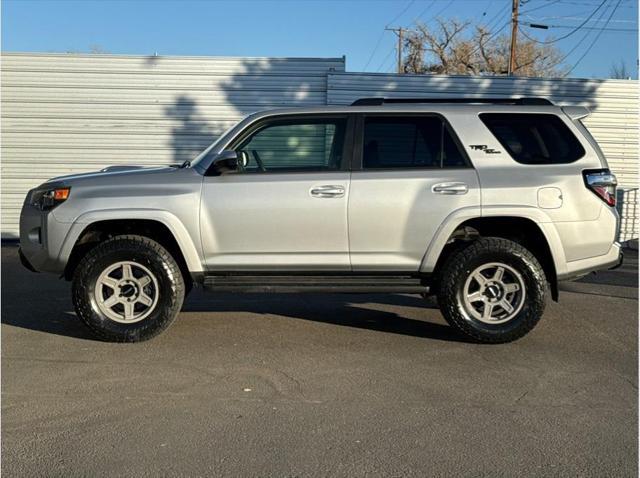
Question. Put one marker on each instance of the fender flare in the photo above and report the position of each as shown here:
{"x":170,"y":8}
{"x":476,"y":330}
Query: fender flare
{"x":453,"y":221}
{"x":182,"y":237}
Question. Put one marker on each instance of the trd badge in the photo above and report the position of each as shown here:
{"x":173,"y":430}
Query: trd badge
{"x":483,"y":147}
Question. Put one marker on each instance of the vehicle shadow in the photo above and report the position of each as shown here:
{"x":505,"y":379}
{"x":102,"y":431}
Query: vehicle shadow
{"x":44,"y":305}
{"x":381,"y":313}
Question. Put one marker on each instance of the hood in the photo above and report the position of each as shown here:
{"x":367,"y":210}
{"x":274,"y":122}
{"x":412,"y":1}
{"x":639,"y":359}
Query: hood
{"x":113,"y":171}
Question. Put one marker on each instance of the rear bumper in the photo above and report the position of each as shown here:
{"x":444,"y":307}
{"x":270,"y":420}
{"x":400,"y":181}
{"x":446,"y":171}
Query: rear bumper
{"x":610,"y":260}
{"x":620,"y":261}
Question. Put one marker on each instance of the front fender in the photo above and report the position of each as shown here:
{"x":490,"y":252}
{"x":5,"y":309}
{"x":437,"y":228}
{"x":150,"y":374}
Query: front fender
{"x":190,"y":250}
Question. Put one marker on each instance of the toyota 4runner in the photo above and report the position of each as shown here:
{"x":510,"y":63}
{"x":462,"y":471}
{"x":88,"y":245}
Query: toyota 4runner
{"x":485,"y":204}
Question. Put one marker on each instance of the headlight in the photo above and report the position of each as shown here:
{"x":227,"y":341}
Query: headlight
{"x":45,"y":199}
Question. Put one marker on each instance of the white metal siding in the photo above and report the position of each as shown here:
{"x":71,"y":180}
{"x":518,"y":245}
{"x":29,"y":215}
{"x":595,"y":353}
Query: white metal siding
{"x":613,"y":103}
{"x":63,"y":114}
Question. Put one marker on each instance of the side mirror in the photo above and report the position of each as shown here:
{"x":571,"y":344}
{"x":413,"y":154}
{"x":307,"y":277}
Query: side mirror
{"x":226,"y":161}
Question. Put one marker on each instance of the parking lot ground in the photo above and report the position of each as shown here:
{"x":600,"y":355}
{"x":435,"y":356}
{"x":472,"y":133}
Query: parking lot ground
{"x":319,"y":385}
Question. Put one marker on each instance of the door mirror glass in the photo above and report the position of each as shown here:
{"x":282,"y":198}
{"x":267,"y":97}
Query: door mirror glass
{"x":226,"y":161}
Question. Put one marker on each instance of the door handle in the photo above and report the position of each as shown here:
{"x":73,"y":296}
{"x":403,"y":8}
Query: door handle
{"x":450,"y":188}
{"x":328,"y":191}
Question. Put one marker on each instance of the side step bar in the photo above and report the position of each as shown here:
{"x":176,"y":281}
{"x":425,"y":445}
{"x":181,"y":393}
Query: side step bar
{"x":315,"y":283}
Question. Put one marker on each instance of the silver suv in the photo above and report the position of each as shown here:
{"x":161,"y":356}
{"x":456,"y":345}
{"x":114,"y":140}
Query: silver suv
{"x":485,"y":204}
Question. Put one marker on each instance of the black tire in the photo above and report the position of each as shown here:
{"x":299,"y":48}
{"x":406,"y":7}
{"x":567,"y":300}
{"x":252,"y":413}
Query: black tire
{"x":140,"y":250}
{"x":459,"y":267}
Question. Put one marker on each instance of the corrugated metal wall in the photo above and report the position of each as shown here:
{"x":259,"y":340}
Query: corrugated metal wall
{"x":614,"y":105}
{"x":72,"y":113}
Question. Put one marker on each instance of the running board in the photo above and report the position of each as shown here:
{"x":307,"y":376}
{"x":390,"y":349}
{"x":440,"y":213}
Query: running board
{"x":315,"y":283}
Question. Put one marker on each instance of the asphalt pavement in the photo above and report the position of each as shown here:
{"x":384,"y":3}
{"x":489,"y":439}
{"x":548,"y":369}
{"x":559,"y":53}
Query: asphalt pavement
{"x":320,"y":385}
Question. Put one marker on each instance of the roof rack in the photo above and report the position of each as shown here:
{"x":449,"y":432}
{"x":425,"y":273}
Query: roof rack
{"x":500,"y":101}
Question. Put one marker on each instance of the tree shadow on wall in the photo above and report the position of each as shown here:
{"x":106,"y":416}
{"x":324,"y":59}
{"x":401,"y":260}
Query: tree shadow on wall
{"x":190,"y":134}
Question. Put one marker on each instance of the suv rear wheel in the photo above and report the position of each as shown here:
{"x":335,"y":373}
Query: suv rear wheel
{"x":492,"y":291}
{"x":128,"y":289}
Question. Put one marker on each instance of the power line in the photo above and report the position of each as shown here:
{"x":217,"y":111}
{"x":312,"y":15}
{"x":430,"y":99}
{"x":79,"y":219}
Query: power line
{"x":386,"y":58}
{"x":375,"y":48}
{"x":611,"y":29}
{"x":424,"y":10}
{"x":541,"y":6}
{"x":581,"y":41}
{"x":595,"y":39}
{"x":575,"y":30}
{"x":402,"y":12}
{"x":443,"y":9}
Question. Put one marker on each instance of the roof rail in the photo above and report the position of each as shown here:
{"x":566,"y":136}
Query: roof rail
{"x":500,"y":101}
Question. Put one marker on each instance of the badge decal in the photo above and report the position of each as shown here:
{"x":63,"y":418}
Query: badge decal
{"x":483,"y":147}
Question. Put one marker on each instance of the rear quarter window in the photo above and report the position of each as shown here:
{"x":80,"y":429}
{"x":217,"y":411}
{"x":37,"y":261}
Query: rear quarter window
{"x":534,"y":138}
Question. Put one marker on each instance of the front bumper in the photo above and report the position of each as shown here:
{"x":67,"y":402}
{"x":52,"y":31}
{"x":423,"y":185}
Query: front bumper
{"x":41,"y":238}
{"x":25,"y":262}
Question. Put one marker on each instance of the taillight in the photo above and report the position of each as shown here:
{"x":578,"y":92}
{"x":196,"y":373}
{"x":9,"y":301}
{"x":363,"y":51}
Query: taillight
{"x":603,"y":183}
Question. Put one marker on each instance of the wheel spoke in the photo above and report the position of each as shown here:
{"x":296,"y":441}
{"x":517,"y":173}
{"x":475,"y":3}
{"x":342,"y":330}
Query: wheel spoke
{"x":144,"y":280}
{"x":488,"y":308}
{"x":128,"y":310}
{"x":504,"y":303}
{"x":127,"y":273}
{"x":476,"y":297}
{"x":145,"y":299}
{"x":111,"y":301}
{"x":109,"y":282}
{"x":508,"y":288}
{"x":479,"y":278}
{"x":497,"y":276}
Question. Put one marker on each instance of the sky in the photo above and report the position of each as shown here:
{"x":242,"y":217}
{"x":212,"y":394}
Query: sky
{"x":310,"y":28}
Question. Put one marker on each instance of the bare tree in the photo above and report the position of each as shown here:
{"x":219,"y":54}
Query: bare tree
{"x":619,"y":71}
{"x":458,"y":48}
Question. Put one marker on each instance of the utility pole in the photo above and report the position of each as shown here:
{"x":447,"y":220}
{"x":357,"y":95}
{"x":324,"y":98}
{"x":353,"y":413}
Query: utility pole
{"x":399,"y":32}
{"x":514,"y":36}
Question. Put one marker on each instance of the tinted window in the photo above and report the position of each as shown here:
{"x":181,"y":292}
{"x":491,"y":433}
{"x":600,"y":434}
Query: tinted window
{"x":409,"y":142}
{"x":534,"y":138}
{"x":295,"y":145}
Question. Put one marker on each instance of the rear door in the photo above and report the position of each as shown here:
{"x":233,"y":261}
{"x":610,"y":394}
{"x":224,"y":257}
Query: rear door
{"x":410,"y":173}
{"x":286,"y":208}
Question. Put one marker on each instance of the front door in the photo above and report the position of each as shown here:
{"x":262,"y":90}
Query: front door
{"x":411,"y":174}
{"x":286,"y":207}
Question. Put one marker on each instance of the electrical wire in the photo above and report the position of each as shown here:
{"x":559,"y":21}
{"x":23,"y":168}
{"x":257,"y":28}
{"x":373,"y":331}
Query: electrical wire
{"x":402,"y":12}
{"x":594,"y":40}
{"x":539,"y":7}
{"x":386,"y":58}
{"x":581,"y":41}
{"x":575,"y":30}
{"x":424,"y":10}
{"x":375,"y":48}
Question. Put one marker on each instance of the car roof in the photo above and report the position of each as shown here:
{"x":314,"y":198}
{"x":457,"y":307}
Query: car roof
{"x":407,"y":108}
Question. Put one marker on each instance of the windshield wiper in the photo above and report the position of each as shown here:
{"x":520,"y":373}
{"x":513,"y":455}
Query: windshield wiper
{"x":186,"y":164}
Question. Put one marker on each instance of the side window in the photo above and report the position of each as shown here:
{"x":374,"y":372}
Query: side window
{"x":409,"y":142}
{"x":294,"y":145}
{"x":534,"y":138}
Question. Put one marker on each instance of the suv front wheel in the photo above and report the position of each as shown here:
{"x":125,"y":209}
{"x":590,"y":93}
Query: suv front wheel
{"x":128,"y":289}
{"x":492,"y":290}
